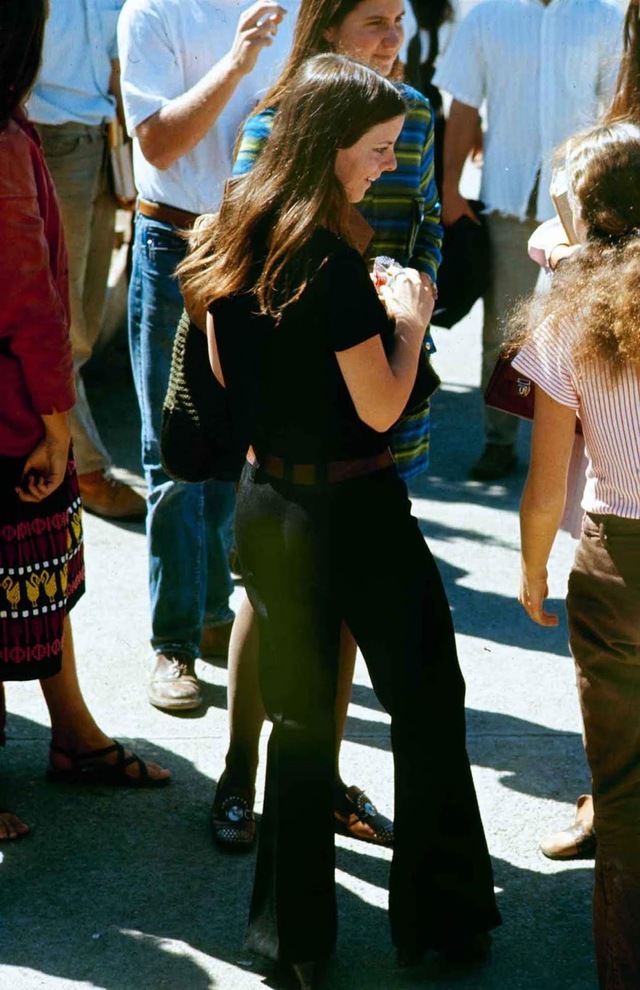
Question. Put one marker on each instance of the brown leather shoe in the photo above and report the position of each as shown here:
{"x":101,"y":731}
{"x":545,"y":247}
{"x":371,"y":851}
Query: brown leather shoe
{"x":496,"y":462}
{"x":107,"y":497}
{"x":174,"y":685}
{"x":215,"y":640}
{"x":578,"y":841}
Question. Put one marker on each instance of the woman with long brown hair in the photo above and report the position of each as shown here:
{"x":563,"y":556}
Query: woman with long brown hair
{"x":403,"y":212}
{"x":316,"y":375}
{"x":581,"y":347}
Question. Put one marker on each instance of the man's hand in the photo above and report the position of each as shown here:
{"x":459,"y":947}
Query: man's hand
{"x":455,"y":206}
{"x":181,"y":124}
{"x":256,"y":30}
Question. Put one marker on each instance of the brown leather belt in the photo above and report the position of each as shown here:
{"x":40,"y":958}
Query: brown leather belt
{"x":167,"y":214}
{"x":319,"y":474}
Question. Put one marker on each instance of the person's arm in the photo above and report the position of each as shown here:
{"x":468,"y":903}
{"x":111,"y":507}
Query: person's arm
{"x":46,"y":466}
{"x":426,"y":255}
{"x":178,"y":126}
{"x":543,"y":500}
{"x":33,"y":314}
{"x":459,"y":138}
{"x":379,"y":386}
{"x":214,"y":355}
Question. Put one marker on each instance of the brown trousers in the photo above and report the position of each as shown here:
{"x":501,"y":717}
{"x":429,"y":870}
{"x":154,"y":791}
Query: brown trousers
{"x":604,"y":625}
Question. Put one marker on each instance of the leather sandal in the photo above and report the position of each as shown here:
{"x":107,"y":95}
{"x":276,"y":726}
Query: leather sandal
{"x":358,"y":817}
{"x":233,"y":822}
{"x":90,"y":768}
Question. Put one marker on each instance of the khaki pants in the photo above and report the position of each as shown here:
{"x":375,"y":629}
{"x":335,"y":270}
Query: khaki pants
{"x":514,"y":276}
{"x":76,"y":155}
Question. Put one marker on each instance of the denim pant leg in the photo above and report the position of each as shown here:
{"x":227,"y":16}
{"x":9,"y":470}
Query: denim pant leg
{"x":189,"y":577}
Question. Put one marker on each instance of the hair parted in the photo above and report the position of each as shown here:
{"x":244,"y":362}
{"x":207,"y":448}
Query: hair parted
{"x":597,"y":288}
{"x":330,"y":104}
{"x":21,"y":38}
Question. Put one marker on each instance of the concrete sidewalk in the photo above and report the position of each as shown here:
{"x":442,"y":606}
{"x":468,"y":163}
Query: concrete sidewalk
{"x":125,"y":891}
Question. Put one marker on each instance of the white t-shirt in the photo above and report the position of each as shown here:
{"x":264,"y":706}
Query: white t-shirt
{"x":609,"y":410}
{"x":165,"y":48}
{"x":545,"y":72}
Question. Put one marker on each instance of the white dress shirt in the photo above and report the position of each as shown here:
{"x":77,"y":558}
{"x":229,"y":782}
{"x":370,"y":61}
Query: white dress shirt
{"x":545,"y":72}
{"x":73,"y":81}
{"x":165,"y":48}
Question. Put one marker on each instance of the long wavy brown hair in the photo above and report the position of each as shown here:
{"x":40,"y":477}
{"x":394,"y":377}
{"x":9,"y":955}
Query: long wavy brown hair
{"x":598,"y":287}
{"x":292,"y":188}
{"x":626,"y":101}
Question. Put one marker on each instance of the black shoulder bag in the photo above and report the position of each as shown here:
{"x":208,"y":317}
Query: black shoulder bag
{"x":197,"y":439}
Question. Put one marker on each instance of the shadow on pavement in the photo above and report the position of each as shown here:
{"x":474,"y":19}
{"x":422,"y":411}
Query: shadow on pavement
{"x":531,"y":759}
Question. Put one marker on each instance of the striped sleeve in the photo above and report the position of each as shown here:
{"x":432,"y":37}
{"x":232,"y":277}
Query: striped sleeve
{"x":253,"y":136}
{"x":426,"y":256}
{"x":546,"y":358}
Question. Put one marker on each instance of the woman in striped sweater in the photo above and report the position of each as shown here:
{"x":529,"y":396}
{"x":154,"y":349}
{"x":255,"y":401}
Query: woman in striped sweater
{"x":585,"y":357}
{"x":403,"y":210}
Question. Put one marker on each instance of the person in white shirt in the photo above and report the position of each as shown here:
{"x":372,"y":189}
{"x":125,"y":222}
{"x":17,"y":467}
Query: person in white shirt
{"x":545,"y":68}
{"x":192,"y":70}
{"x":72,"y":101}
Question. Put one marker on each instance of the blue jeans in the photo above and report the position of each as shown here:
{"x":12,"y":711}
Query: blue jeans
{"x":188,"y":525}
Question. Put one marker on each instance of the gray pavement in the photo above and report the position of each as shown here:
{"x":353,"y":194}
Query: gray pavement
{"x":125,"y":891}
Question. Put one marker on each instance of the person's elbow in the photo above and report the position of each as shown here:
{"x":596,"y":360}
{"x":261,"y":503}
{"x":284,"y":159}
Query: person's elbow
{"x":379,"y":418}
{"x":154,"y":145}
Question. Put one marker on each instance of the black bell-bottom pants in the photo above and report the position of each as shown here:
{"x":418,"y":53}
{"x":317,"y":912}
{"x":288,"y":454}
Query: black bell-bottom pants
{"x":313,"y":557}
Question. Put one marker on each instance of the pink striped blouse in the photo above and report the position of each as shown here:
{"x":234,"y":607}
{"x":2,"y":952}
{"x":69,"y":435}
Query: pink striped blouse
{"x":609,"y":408}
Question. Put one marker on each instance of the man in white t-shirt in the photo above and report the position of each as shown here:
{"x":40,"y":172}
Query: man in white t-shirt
{"x":192,"y":70}
{"x":545,"y":69}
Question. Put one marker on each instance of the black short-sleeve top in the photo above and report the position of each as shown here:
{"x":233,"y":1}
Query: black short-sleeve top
{"x":283,"y":379}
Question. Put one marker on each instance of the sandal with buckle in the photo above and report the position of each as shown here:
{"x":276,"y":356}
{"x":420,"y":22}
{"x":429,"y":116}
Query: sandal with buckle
{"x":90,"y":768}
{"x":358,"y":817}
{"x":232,"y":819}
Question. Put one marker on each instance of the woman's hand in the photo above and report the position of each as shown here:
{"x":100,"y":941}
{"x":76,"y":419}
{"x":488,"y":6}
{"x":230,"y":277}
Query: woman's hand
{"x":533,"y":591}
{"x":46,"y":465}
{"x":408,"y":300}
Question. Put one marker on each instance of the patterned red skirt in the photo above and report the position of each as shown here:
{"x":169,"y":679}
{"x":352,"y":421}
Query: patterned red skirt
{"x":41,"y":573}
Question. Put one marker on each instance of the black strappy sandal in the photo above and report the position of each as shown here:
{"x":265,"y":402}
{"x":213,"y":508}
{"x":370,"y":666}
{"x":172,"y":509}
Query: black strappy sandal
{"x":90,"y":768}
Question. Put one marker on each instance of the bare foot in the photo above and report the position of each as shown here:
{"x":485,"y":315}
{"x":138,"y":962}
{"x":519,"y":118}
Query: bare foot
{"x":11,"y":827}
